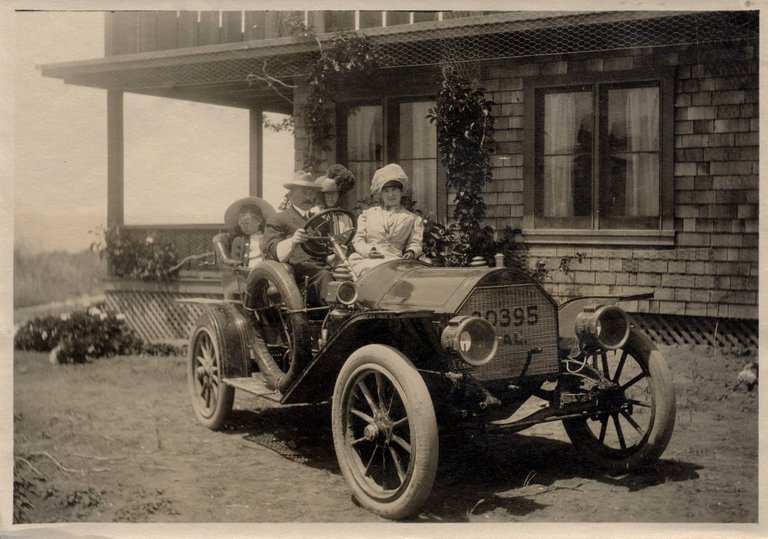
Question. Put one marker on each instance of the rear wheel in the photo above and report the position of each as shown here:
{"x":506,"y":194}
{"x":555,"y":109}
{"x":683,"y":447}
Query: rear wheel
{"x":211,"y":398}
{"x":639,"y":427}
{"x":385,"y":431}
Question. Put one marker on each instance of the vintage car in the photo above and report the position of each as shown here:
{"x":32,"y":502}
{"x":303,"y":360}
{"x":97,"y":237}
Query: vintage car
{"x":408,"y":351}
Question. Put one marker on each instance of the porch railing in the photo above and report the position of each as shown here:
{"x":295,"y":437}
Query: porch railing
{"x":152,"y":309}
{"x":188,"y":240}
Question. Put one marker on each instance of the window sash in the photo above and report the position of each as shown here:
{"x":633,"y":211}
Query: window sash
{"x":400,"y":132}
{"x":576,"y":171}
{"x":364,"y":146}
{"x":630,"y":171}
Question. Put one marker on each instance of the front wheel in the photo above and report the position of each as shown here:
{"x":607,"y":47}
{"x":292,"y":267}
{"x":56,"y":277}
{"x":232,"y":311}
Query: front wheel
{"x":211,"y":398}
{"x":385,"y":431}
{"x":640,"y":425}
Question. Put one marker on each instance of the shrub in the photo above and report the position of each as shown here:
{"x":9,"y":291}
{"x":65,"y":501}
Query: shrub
{"x":150,"y":258}
{"x":450,"y":245}
{"x":464,"y":123}
{"x":75,"y":336}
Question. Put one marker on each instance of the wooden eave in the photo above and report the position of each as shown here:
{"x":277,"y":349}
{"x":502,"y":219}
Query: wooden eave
{"x":217,"y":73}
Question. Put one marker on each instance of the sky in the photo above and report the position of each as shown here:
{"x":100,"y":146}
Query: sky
{"x":184,"y":162}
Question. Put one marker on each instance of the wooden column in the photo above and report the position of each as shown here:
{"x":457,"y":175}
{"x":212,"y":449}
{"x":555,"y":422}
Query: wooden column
{"x":256,"y":151}
{"x":114,"y":158}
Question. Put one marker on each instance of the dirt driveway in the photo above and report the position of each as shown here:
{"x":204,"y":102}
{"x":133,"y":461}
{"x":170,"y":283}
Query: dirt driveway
{"x":116,"y":441}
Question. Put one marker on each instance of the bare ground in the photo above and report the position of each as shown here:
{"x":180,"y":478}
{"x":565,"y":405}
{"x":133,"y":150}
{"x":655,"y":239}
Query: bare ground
{"x":116,"y":441}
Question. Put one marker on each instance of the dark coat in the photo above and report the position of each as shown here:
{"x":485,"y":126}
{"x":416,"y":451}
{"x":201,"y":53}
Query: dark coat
{"x":280,"y":226}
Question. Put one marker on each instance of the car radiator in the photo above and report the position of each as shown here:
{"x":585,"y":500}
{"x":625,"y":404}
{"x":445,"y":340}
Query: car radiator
{"x":525,"y":320}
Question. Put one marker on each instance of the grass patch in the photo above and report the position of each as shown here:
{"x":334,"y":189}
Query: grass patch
{"x":40,"y":278}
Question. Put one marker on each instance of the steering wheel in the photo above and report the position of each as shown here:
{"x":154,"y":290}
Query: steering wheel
{"x":334,"y":223}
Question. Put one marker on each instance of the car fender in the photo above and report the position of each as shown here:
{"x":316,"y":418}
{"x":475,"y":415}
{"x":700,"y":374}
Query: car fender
{"x":411,"y":332}
{"x":234,"y":333}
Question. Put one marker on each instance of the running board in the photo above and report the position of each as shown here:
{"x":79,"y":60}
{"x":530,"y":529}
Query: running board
{"x":256,"y":385}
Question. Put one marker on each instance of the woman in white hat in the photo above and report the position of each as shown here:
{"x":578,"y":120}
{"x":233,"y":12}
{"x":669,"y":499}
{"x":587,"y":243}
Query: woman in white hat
{"x":387,"y":231}
{"x":245,"y":219}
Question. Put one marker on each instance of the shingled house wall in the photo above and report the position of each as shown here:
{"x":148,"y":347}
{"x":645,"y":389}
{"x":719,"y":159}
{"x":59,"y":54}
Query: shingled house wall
{"x":712,"y":269}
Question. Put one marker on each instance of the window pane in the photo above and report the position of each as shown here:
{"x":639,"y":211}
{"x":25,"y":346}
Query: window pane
{"x":564,"y":185}
{"x":365,"y":147}
{"x":417,"y":153}
{"x":567,"y":122}
{"x":630,"y":175}
{"x":633,"y":119}
{"x":422,"y":174}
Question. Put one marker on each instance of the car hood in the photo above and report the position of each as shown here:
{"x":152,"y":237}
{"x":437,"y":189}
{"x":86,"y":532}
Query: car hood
{"x":412,"y":285}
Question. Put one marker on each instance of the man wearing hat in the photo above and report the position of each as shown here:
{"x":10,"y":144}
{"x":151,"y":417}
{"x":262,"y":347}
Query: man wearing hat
{"x":284,"y":233}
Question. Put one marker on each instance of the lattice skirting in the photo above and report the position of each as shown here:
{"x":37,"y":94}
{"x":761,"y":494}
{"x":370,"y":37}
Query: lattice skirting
{"x":728,"y":334}
{"x":156,"y":316}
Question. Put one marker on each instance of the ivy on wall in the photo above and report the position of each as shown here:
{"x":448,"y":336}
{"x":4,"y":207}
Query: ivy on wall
{"x":464,"y":122}
{"x":465,"y":132}
{"x":343,"y":55}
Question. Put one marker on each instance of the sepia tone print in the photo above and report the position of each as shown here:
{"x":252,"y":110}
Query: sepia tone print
{"x":374,"y":266}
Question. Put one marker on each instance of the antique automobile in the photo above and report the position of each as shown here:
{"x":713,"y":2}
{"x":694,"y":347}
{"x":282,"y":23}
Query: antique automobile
{"x":408,"y":351}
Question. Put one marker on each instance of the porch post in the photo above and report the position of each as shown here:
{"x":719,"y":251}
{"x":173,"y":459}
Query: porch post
{"x":114,"y":158}
{"x":256,"y":151}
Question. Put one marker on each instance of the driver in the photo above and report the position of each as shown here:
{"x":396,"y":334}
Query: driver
{"x":284,"y":233}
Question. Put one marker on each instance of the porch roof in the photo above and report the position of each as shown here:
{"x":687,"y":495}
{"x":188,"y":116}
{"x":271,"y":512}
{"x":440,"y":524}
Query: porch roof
{"x":240,"y":73}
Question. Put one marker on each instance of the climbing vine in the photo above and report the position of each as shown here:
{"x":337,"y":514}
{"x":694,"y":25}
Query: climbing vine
{"x":343,"y":54}
{"x":464,"y":123}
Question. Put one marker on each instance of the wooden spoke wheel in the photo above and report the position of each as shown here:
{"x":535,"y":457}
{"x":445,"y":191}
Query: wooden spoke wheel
{"x":641,"y":411}
{"x":211,"y":397}
{"x":384,"y":431}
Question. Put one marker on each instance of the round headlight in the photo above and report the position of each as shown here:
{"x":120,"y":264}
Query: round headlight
{"x":346,"y":293}
{"x":606,"y":327}
{"x":472,"y":338}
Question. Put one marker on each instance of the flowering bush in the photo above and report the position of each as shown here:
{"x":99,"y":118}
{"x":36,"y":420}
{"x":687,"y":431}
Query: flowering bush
{"x":450,"y":245}
{"x":128,"y":256}
{"x":74,"y":336}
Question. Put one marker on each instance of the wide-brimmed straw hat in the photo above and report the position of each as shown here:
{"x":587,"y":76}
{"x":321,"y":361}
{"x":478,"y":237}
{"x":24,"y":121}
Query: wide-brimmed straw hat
{"x":300,"y":179}
{"x":326,"y":184}
{"x":230,"y":216}
{"x":390,"y":173}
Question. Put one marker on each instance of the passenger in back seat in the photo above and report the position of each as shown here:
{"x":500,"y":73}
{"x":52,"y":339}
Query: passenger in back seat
{"x":245,"y":219}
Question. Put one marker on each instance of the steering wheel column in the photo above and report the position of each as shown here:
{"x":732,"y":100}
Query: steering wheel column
{"x":330,"y":232}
